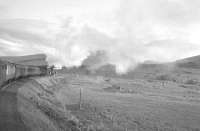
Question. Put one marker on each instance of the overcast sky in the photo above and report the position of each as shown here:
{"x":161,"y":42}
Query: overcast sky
{"x":129,"y":31}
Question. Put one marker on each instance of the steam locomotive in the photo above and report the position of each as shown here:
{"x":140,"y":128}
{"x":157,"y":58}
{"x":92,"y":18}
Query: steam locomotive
{"x":11,"y":71}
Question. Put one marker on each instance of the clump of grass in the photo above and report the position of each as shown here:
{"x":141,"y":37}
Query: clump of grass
{"x":113,"y":88}
{"x":163,"y":77}
{"x":191,"y":82}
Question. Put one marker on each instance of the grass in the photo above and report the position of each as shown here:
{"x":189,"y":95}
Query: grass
{"x":191,"y":82}
{"x":149,"y":109}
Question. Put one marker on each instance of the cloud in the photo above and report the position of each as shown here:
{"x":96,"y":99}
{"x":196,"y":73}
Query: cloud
{"x":139,"y":30}
{"x":3,"y":11}
{"x":22,"y":37}
{"x":30,"y":30}
{"x":156,"y":30}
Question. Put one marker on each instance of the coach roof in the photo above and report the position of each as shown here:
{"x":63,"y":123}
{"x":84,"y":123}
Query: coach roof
{"x":35,"y":60}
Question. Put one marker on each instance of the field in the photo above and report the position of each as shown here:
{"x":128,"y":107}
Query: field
{"x":109,"y":104}
{"x":123,"y":104}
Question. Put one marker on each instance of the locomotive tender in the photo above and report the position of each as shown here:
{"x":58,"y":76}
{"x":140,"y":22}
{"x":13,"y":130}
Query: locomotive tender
{"x":11,"y":71}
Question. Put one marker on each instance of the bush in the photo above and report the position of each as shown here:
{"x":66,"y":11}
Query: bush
{"x":163,"y":77}
{"x":191,"y":82}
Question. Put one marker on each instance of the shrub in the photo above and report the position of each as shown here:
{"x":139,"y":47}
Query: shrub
{"x":163,"y":77}
{"x":191,"y":82}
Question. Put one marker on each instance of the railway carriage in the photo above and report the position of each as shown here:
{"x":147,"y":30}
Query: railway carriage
{"x":33,"y":70}
{"x":7,"y":72}
{"x":20,"y":71}
{"x":10,"y":71}
{"x":3,"y":67}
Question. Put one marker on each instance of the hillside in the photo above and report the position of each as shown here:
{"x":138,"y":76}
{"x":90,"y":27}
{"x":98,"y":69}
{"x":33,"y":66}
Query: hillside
{"x":181,"y":70}
{"x":191,"y":62}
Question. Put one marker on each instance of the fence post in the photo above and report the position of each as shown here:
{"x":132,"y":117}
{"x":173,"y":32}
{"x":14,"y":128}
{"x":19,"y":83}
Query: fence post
{"x":80,"y":99}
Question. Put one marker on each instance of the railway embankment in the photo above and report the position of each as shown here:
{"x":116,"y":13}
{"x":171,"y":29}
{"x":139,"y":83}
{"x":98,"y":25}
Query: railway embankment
{"x":31,"y":105}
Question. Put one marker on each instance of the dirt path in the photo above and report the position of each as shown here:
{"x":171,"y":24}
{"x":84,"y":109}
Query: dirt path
{"x":10,"y":119}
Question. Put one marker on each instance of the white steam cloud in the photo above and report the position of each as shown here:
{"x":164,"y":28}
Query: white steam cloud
{"x":136,"y":31}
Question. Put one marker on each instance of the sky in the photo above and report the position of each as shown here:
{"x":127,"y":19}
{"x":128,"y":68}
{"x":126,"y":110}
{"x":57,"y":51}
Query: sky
{"x":128,"y":31}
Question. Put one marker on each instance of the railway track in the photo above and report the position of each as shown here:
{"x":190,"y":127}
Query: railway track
{"x":10,"y":118}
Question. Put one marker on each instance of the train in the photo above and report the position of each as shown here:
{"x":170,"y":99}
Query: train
{"x":11,"y":71}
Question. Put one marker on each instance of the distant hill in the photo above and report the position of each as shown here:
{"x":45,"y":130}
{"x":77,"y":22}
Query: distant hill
{"x":191,"y":62}
{"x":106,"y":70}
{"x":36,"y":60}
{"x":146,"y":70}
